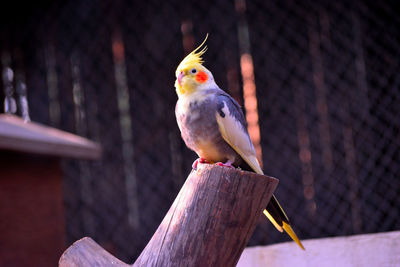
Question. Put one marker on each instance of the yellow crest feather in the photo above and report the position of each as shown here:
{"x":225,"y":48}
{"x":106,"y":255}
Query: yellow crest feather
{"x":194,"y":57}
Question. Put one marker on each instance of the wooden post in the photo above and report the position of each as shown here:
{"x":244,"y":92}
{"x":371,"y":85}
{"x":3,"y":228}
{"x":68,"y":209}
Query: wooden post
{"x":211,"y":219}
{"x":209,"y":223}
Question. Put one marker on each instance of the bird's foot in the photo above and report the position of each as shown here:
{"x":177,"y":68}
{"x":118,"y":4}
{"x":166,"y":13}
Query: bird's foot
{"x":197,"y":161}
{"x":226,"y":164}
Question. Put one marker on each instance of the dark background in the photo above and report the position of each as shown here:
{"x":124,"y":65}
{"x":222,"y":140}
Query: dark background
{"x":327,"y":75}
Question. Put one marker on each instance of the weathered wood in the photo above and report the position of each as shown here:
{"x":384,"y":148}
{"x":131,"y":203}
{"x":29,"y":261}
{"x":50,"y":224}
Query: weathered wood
{"x":17,"y":135}
{"x":211,"y":219}
{"x":86,"y":252}
{"x":209,"y":223}
{"x":378,"y":249}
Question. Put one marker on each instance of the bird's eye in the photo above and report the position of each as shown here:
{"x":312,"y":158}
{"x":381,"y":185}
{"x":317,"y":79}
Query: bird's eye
{"x":193,"y":71}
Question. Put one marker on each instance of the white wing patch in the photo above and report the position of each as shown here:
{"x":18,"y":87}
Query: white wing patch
{"x":233,"y":133}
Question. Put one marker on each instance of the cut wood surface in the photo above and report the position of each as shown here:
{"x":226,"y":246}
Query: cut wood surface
{"x":17,"y":135}
{"x":209,"y":223}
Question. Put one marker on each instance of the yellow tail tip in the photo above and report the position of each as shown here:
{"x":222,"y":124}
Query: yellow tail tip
{"x":292,"y":234}
{"x":272,"y":220}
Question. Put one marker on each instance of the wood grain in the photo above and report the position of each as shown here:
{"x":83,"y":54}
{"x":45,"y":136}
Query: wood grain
{"x":211,"y":220}
{"x":86,"y":252}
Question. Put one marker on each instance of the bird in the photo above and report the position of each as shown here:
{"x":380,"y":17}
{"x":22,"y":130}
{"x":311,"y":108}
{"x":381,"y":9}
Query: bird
{"x":212,"y":124}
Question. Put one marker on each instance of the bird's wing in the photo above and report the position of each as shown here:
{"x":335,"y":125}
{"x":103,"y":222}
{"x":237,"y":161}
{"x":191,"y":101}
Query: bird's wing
{"x":232,"y":126}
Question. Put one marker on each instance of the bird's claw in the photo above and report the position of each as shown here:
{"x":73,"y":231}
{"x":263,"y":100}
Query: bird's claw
{"x":197,"y":161}
{"x":227,"y":164}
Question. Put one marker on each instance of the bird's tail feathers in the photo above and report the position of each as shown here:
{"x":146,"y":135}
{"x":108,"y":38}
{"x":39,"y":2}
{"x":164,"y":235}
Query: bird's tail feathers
{"x":272,"y":220}
{"x":288,"y":229}
{"x":278,"y":218}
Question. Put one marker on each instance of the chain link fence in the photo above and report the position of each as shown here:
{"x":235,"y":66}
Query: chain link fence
{"x":327,"y":86}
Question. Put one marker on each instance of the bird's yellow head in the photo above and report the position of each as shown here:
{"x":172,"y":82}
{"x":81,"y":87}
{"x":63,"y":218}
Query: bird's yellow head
{"x":191,"y":75}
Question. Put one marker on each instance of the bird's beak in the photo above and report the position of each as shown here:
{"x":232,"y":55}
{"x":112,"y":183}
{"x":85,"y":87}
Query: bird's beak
{"x":180,"y":76}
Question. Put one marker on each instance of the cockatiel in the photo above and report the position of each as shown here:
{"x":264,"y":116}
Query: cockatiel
{"x":212,"y":124}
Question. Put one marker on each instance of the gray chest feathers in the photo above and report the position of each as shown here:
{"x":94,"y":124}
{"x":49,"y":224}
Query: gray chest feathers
{"x":198,"y":123}
{"x":200,"y":131}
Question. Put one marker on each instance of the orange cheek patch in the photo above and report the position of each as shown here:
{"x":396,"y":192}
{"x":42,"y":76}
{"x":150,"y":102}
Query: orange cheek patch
{"x":201,"y":77}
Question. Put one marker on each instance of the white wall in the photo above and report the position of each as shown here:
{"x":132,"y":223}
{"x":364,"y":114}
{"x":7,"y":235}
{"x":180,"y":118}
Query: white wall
{"x":381,"y":249}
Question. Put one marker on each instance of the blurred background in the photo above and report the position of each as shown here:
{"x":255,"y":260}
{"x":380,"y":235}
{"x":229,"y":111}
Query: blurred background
{"x":318,"y":80}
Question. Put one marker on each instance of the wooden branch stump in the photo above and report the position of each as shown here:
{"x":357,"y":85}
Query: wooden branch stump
{"x":209,"y":223}
{"x":211,"y":219}
{"x":86,"y":252}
